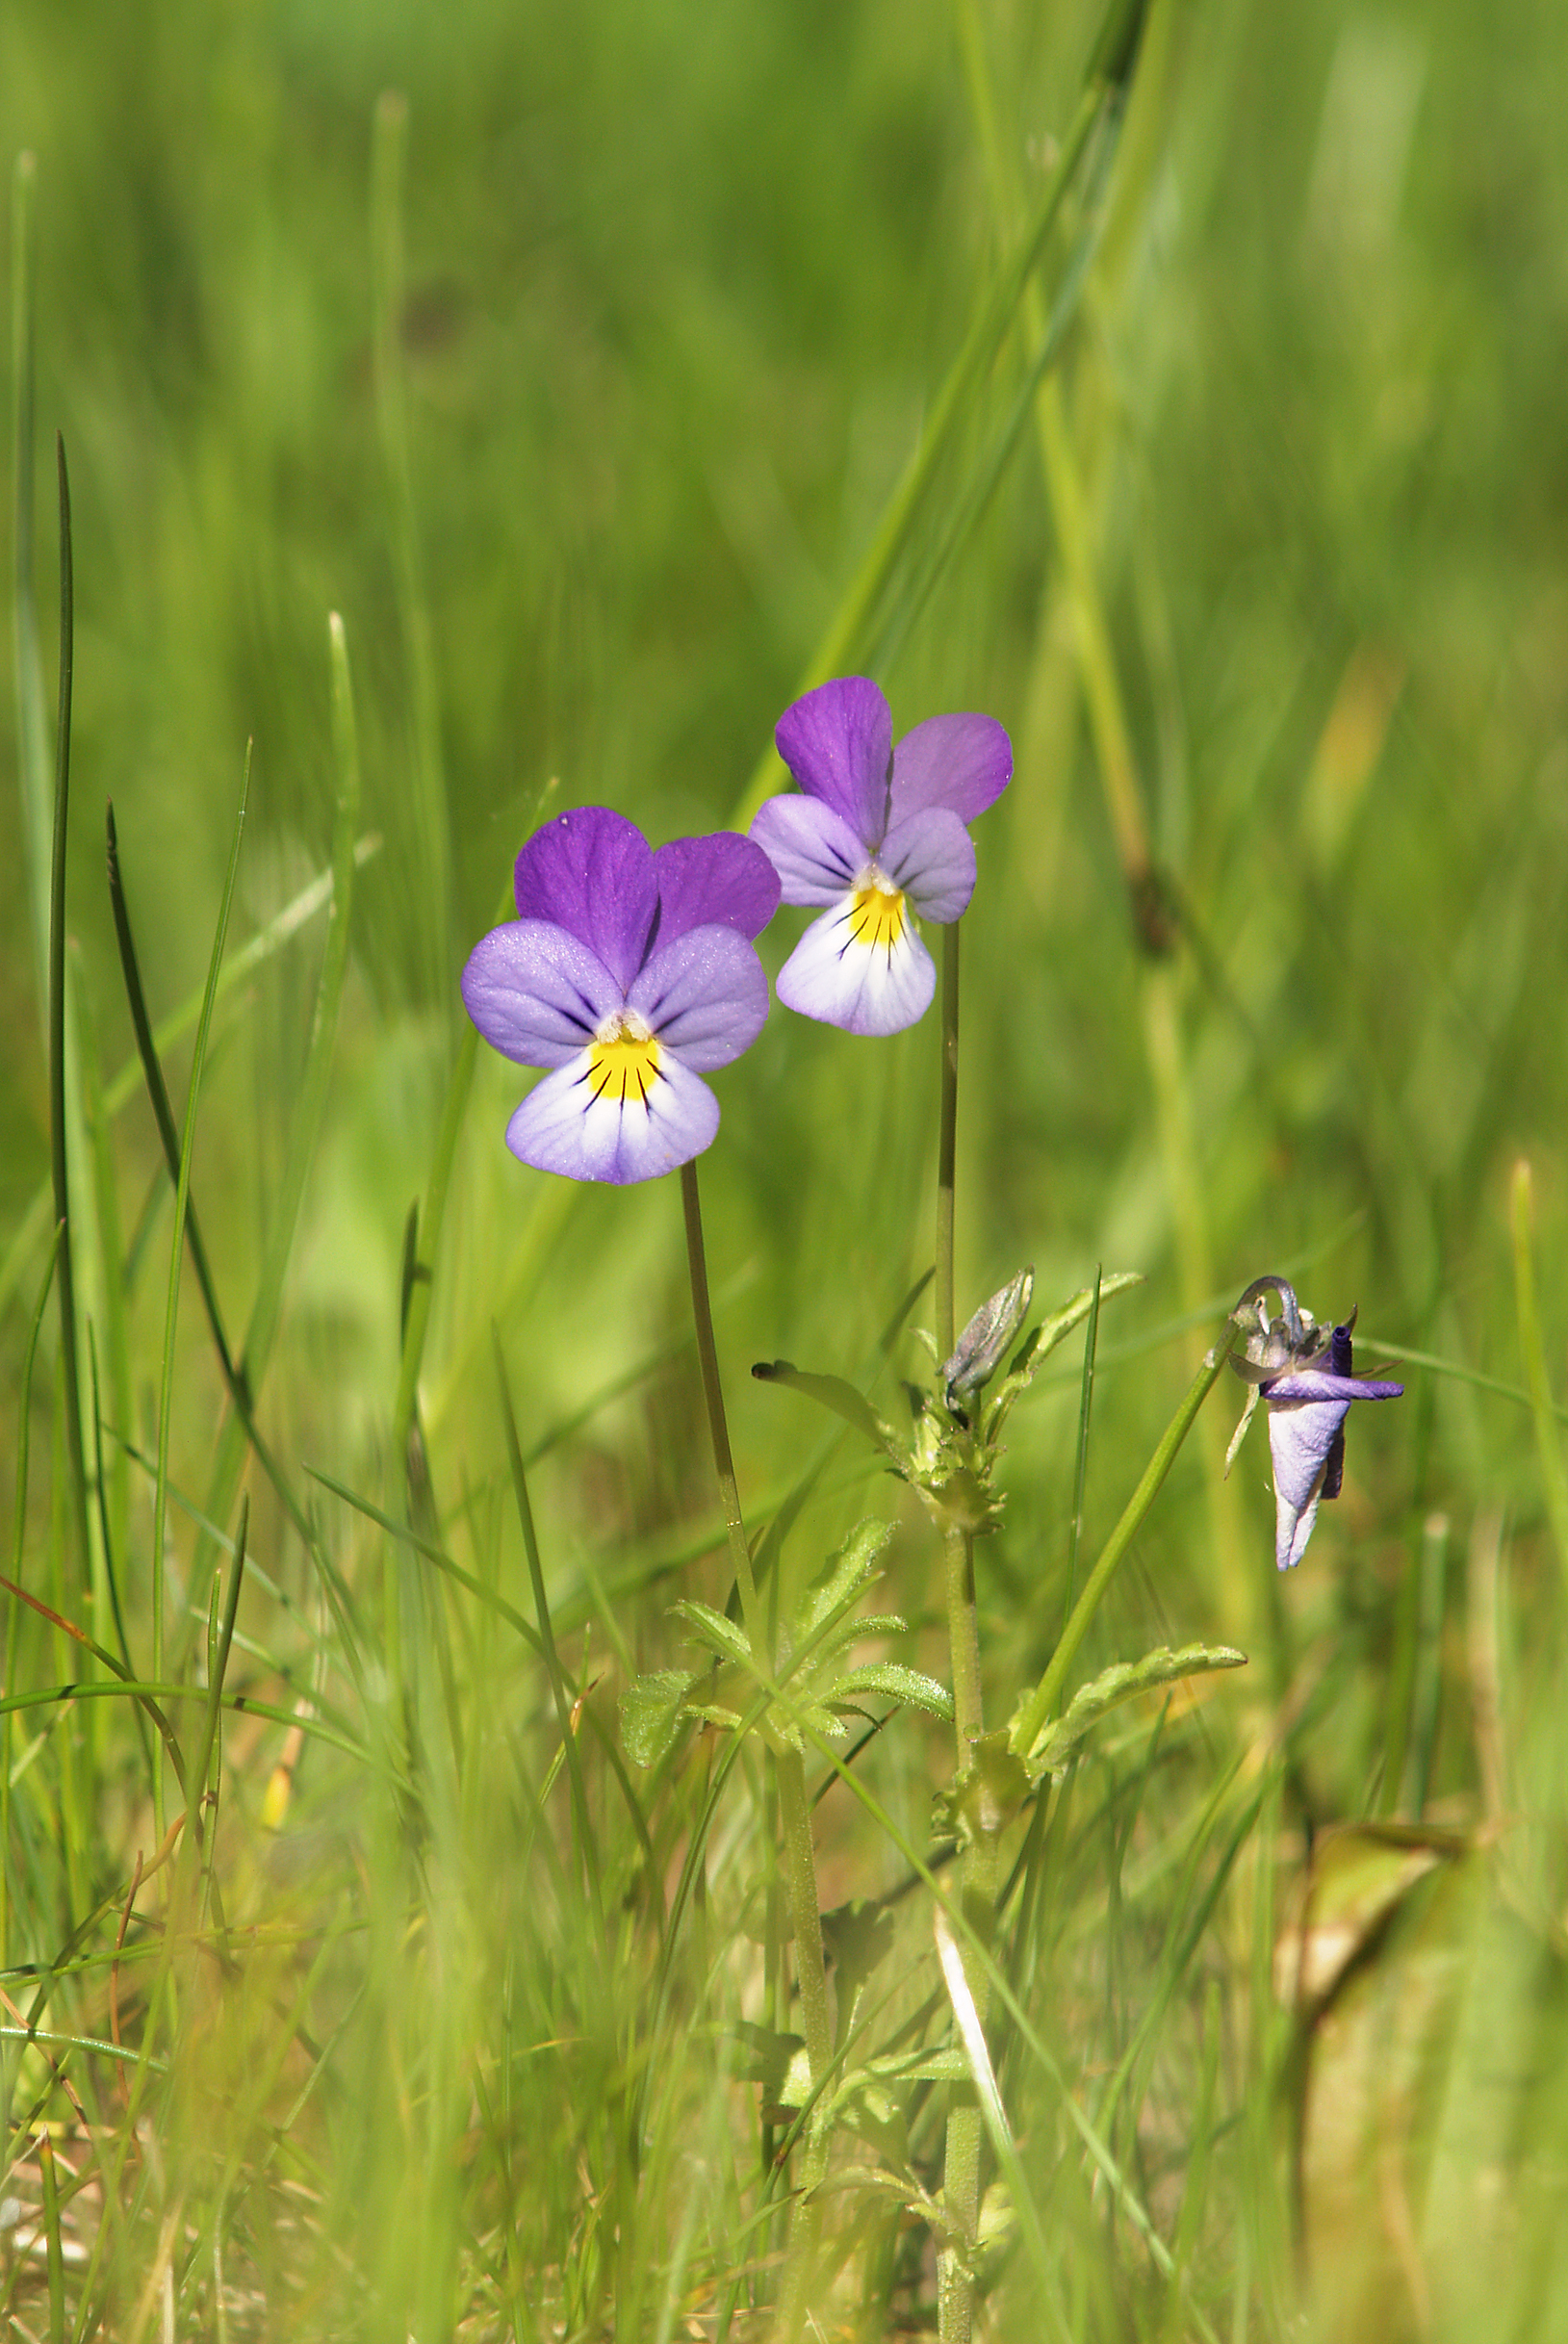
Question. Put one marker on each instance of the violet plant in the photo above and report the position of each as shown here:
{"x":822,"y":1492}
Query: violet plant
{"x":630,"y":974}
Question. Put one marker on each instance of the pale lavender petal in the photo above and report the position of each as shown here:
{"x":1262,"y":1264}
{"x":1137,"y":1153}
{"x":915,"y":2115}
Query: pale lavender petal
{"x":837,"y":742}
{"x":536,"y":994}
{"x":866,"y":989}
{"x":705,"y":996}
{"x":718,"y":881}
{"x":1302,"y":1437}
{"x":963,"y":763}
{"x":812,"y":849}
{"x":591,"y":871}
{"x":562,"y":1127}
{"x":931,"y":855}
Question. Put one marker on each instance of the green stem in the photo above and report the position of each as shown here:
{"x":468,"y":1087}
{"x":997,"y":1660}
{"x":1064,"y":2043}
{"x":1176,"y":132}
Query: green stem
{"x":740,"y":1553}
{"x":800,"y":1865}
{"x":964,"y":1640}
{"x":966,"y":2123}
{"x":947,"y":1144}
{"x":1049,"y":1687}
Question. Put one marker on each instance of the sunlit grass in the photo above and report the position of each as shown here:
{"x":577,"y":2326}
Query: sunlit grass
{"x":608,"y":386}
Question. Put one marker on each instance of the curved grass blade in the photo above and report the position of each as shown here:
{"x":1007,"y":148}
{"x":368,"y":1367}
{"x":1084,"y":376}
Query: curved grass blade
{"x":305,"y":1131}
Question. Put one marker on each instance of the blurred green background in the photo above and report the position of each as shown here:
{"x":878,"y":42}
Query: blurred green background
{"x":576,"y":377}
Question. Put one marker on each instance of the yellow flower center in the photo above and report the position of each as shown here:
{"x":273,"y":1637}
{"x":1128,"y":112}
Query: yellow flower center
{"x":877,"y":917}
{"x":623,"y":1061}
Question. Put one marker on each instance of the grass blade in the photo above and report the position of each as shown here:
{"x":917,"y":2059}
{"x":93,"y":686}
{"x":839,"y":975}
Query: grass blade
{"x":1049,"y":1689}
{"x":1548,"y":1446}
{"x":182,"y":1198}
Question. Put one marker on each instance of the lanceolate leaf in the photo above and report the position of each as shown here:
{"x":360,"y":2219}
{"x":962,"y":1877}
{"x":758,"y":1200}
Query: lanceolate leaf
{"x":830,"y":1392}
{"x":1113,"y":1686}
{"x":722,"y":1635}
{"x":889,"y":1681}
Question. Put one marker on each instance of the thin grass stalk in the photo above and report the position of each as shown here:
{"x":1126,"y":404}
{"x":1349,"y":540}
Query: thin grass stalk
{"x":1548,"y":1444}
{"x":59,"y":1154}
{"x":177,"y":1258}
{"x":851,"y":621}
{"x":114,"y":1493}
{"x":587,"y":1843}
{"x":24,"y":1429}
{"x":1048,"y":1691}
{"x":431,"y":842}
{"x":53,"y":2249}
{"x":305,"y":1130}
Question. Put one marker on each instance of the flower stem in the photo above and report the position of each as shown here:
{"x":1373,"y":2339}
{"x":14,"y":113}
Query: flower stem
{"x":740,"y":1553}
{"x":960,"y":2177}
{"x":947,"y":1143}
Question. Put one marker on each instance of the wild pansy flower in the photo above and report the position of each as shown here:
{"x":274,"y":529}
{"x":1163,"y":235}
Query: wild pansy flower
{"x":1305,"y":1374}
{"x":630,"y":974}
{"x":876,"y":835}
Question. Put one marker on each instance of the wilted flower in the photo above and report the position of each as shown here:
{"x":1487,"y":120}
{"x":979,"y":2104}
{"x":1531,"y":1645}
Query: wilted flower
{"x":628,"y":974}
{"x":1303,"y":1373}
{"x":876,"y":835}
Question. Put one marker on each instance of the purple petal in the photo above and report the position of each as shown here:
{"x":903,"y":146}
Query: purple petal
{"x":864,"y":988}
{"x":1315,"y":1383}
{"x":591,"y":871}
{"x":931,"y":855}
{"x":837,"y":742}
{"x":718,"y":881}
{"x":963,"y":763}
{"x":562,"y":1127}
{"x":813,"y":850}
{"x":535,"y":992}
{"x":705,"y":996}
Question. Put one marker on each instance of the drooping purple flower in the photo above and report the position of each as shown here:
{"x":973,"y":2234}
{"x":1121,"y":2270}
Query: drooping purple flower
{"x":876,"y":835}
{"x":1304,"y":1374}
{"x":628,"y":974}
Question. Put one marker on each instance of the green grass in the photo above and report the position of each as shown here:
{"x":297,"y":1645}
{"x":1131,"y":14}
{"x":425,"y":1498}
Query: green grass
{"x":623,"y":381}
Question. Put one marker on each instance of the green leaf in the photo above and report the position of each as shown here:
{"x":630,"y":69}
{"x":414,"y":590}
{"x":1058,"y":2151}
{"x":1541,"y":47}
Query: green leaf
{"x":722,"y":1635}
{"x":651,"y":1710}
{"x":891,"y":1681}
{"x":1055,"y":1742}
{"x":832,"y":1393}
{"x":842,"y":1579}
{"x":858,"y":1935}
{"x":771,"y":2058}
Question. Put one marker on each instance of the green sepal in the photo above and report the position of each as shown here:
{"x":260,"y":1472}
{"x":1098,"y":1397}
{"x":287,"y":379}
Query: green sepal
{"x":983,"y":1799}
{"x":1055,"y":1740}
